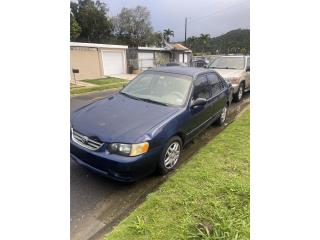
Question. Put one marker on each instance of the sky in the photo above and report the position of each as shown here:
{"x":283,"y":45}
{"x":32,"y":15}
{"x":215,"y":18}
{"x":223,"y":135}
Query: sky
{"x":204,"y":16}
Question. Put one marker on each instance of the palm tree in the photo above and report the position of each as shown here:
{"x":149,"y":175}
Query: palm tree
{"x":204,"y":39}
{"x":167,"y":33}
{"x":191,"y":42}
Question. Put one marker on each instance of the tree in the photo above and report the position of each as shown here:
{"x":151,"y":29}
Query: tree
{"x":75,"y":28}
{"x":92,"y":17}
{"x":167,"y":33}
{"x":192,"y":42}
{"x":234,"y":41}
{"x":157,"y":39}
{"x":133,"y":26}
{"x":233,"y":50}
{"x":204,"y":39}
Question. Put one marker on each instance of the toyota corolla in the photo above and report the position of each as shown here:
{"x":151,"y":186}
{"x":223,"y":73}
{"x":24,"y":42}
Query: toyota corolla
{"x":143,"y":127}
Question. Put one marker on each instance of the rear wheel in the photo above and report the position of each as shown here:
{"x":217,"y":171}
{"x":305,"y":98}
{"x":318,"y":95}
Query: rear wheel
{"x":170,"y":155}
{"x":239,"y":93}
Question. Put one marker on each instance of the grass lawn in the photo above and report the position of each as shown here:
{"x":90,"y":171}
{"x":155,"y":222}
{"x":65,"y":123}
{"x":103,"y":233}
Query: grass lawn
{"x":207,"y":198}
{"x":98,"y":85}
{"x":72,"y":86}
{"x":103,"y":81}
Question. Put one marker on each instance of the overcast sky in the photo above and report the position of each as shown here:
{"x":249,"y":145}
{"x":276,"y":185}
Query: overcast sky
{"x":205,"y":16}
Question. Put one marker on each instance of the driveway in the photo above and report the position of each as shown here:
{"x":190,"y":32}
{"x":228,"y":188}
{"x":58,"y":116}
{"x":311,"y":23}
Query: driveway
{"x":98,"y":204}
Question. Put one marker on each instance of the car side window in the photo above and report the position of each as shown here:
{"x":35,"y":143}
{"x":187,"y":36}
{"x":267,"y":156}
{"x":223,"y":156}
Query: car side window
{"x":248,"y":62}
{"x":223,"y":84}
{"x":201,"y":89}
{"x":216,"y":85}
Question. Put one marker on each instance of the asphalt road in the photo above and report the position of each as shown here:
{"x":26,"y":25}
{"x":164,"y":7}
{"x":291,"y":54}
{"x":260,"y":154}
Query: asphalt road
{"x":97,"y":203}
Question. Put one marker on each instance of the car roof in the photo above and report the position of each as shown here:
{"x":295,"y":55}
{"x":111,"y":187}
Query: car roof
{"x":189,"y":71}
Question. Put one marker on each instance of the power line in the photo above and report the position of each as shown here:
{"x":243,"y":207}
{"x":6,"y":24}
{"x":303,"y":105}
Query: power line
{"x":214,"y":13}
{"x":219,"y":11}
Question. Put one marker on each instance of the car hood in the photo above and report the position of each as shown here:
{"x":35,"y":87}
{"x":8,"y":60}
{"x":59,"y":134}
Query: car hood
{"x":118,"y":118}
{"x":229,"y":73}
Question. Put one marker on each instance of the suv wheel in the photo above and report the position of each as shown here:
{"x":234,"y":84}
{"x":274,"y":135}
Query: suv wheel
{"x":239,"y":94}
{"x":170,"y":155}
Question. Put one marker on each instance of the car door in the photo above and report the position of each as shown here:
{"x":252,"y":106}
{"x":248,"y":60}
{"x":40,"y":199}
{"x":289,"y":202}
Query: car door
{"x":200,"y":115}
{"x":218,"y":93}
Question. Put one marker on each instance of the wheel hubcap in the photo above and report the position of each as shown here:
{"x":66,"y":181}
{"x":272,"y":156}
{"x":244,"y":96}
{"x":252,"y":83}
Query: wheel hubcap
{"x":172,"y":155}
{"x":223,"y":114}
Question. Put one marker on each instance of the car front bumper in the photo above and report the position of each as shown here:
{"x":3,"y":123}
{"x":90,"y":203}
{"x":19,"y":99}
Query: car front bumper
{"x":120,"y":168}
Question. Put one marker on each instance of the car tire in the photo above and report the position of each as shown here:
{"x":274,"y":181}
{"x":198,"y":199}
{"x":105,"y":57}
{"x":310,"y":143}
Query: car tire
{"x":170,"y":155}
{"x":222,"y":118}
{"x":239,"y":94}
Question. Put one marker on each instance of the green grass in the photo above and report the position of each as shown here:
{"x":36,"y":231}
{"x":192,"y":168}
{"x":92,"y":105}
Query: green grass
{"x":103,"y":81}
{"x":81,"y":90}
{"x":207,"y":198}
{"x":98,"y":85}
{"x":72,"y":86}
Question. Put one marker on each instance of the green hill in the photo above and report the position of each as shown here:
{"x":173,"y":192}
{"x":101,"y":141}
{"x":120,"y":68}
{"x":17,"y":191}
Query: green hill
{"x":235,"y":41}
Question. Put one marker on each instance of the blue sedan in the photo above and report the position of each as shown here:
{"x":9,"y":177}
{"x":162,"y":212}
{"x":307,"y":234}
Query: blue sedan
{"x":144,"y":127}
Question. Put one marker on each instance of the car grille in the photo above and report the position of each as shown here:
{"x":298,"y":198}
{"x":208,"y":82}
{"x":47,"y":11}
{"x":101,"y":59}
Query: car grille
{"x":85,"y":141}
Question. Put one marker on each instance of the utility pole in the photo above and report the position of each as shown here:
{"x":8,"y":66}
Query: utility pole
{"x":185,"y":31}
{"x":185,"y":34}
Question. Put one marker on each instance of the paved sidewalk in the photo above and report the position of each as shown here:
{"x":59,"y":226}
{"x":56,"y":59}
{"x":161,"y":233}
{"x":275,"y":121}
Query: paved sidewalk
{"x":83,"y":84}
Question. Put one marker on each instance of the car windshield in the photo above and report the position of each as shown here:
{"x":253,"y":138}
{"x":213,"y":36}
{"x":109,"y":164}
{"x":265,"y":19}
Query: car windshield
{"x":228,"y":63}
{"x":160,"y":88}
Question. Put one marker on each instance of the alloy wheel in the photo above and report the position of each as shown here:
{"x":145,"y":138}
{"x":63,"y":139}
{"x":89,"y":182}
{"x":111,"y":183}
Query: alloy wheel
{"x":172,"y":155}
{"x":223,"y":115}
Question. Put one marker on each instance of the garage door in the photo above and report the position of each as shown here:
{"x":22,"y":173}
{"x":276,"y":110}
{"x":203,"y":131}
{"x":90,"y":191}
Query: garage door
{"x":146,"y":60}
{"x":113,"y":62}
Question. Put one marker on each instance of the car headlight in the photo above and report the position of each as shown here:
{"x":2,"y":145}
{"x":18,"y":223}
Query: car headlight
{"x":233,"y":79}
{"x":129,"y":149}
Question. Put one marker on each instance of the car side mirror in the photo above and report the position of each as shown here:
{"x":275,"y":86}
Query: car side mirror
{"x":198,"y":102}
{"x":248,"y":69}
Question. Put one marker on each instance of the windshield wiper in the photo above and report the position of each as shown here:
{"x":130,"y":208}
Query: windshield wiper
{"x":223,"y":67}
{"x":153,"y":101}
{"x":143,"y":99}
{"x":216,"y":67}
{"x":230,"y":68}
{"x":130,"y":96}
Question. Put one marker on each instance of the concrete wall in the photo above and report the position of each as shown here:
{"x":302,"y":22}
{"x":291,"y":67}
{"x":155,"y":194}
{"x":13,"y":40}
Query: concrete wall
{"x":87,"y":60}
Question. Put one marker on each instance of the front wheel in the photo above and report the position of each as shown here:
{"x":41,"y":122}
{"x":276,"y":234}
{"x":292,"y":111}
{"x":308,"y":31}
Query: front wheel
{"x":239,"y":93}
{"x":223,"y":115}
{"x":170,"y":155}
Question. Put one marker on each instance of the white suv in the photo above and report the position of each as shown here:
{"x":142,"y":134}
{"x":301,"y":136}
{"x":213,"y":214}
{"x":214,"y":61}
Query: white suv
{"x":236,"y":70}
